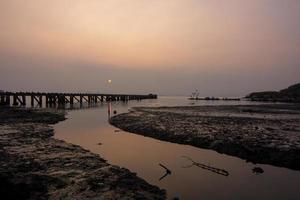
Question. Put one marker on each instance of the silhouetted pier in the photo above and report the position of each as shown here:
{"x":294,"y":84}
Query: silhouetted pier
{"x":51,"y":99}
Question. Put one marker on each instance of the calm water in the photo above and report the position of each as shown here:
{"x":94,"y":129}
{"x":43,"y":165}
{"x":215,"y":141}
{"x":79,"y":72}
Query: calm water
{"x":142,"y":155}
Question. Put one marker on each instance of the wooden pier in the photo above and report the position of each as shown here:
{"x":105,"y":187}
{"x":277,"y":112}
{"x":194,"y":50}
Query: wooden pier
{"x":52,"y":99}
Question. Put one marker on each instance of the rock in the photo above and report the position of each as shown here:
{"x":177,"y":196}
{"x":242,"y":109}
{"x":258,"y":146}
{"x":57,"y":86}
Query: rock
{"x":257,"y":170}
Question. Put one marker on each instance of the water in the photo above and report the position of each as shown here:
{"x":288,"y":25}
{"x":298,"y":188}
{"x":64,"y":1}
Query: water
{"x":142,"y":155}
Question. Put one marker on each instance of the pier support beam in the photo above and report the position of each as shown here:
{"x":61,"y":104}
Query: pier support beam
{"x":71,"y":99}
{"x":75,"y":97}
{"x":40,"y":100}
{"x":23,"y":103}
{"x":7,"y":100}
{"x":61,"y":100}
{"x":32,"y":100}
{"x":15,"y":101}
{"x":2,"y":100}
{"x":80,"y":100}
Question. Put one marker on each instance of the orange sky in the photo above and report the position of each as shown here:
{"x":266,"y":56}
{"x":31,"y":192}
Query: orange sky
{"x":196,"y":35}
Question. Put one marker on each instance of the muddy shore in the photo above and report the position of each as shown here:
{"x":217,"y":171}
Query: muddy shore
{"x":34,"y":165}
{"x":266,"y":134}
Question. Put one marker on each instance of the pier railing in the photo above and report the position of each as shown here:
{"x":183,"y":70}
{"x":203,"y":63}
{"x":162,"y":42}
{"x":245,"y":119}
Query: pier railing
{"x":49,"y":99}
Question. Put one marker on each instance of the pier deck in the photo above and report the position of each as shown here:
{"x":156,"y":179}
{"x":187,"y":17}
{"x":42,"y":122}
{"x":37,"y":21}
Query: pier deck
{"x":50,"y":99}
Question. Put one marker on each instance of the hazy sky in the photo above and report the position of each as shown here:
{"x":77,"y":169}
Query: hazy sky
{"x":171,"y":47}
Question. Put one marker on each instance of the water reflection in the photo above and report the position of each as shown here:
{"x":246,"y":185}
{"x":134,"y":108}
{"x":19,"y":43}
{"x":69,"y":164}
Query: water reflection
{"x":108,"y":109}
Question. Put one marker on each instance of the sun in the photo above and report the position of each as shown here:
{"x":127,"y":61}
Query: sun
{"x":109,"y":80}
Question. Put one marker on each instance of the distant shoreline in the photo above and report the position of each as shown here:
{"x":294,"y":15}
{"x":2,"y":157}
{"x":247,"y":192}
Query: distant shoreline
{"x":35,"y":165}
{"x":266,"y":134}
{"x":288,"y":95}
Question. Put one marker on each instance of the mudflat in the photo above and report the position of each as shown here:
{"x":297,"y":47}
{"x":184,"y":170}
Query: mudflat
{"x":266,"y":134}
{"x":34,"y":165}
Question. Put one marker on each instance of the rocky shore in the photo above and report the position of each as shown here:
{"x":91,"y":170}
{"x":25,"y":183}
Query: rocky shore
{"x":267,"y":134}
{"x":34,"y":165}
{"x":290,"y":94}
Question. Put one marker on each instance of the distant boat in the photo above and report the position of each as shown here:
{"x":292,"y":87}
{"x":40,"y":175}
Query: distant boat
{"x":195,"y":95}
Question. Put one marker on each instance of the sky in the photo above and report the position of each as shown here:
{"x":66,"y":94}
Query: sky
{"x":167,"y":47}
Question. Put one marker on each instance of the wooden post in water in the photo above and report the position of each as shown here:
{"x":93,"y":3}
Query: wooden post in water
{"x":32,"y":100}
{"x":52,"y":100}
{"x":40,"y":100}
{"x":15,"y":103}
{"x":48,"y":97}
{"x":23,"y":100}
{"x":7,"y":101}
{"x":3,"y":100}
{"x":80,"y":99}
{"x":71,"y":99}
{"x":61,"y":99}
{"x":47,"y":100}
